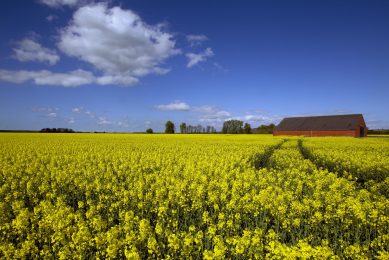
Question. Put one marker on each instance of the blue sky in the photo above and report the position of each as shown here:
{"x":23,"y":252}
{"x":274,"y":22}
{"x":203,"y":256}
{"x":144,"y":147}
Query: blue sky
{"x":130,"y":65}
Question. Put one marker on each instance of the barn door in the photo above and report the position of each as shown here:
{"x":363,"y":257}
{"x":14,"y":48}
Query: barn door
{"x":361,"y":131}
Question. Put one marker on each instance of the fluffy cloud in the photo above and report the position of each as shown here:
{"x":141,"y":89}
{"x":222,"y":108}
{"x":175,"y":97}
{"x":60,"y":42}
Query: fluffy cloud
{"x":90,"y":114}
{"x":117,"y":42}
{"x":116,"y":80}
{"x":196,"y":39}
{"x":30,"y":50}
{"x":77,"y":109}
{"x":70,"y":120}
{"x":49,"y":112}
{"x":44,"y":77}
{"x":102,"y":120}
{"x":83,"y":111}
{"x":52,"y":115}
{"x":216,"y":116}
{"x":44,"y":109}
{"x":69,"y":79}
{"x":206,"y":109}
{"x":195,"y":58}
{"x":257,"y":118}
{"x":59,"y":3}
{"x":123,"y":124}
{"x":205,"y":114}
{"x":209,"y":114}
{"x":175,"y":106}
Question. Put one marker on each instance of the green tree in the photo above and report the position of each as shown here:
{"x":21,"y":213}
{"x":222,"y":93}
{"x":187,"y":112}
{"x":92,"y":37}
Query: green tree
{"x":169,"y":127}
{"x":247,"y":128}
{"x":232,"y":127}
{"x":149,"y":131}
{"x":183,"y":128}
{"x":265,"y":129}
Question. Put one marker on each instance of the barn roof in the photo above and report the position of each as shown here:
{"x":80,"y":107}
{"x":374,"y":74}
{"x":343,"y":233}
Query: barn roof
{"x":333,"y":122}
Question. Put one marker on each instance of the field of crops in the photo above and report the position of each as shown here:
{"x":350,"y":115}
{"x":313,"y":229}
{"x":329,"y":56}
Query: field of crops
{"x":66,"y":196}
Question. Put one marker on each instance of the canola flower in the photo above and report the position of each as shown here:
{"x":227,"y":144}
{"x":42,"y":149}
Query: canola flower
{"x":189,"y":196}
{"x":365,"y":160}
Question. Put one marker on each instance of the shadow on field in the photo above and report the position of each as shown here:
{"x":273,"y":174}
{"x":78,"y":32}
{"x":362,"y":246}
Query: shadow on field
{"x":261,"y":160}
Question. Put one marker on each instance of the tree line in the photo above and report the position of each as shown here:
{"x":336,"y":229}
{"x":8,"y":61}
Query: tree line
{"x":196,"y":129}
{"x":378,"y":131}
{"x":57,"y":130}
{"x":189,"y":129}
{"x":229,"y":127}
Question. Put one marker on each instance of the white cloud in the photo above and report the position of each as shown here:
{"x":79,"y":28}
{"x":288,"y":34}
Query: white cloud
{"x":90,"y":114}
{"x":51,"y":17}
{"x":30,"y":50}
{"x":44,"y":77}
{"x":117,"y":42}
{"x":206,"y":109}
{"x":59,"y":3}
{"x":219,"y":67}
{"x":69,"y":79}
{"x":52,"y":115}
{"x":211,"y":114}
{"x":123,"y":124}
{"x":49,"y":112}
{"x":77,"y":109}
{"x":217,"y":115}
{"x":377,"y":124}
{"x":102,"y":120}
{"x":195,"y":58}
{"x":206,"y":113}
{"x":44,"y":109}
{"x":70,"y":120}
{"x":82,"y":111}
{"x":117,"y":80}
{"x":175,"y":106}
{"x":196,"y":39}
{"x":257,"y":118}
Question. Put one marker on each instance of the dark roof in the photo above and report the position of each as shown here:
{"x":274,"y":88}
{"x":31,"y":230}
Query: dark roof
{"x":335,"y":122}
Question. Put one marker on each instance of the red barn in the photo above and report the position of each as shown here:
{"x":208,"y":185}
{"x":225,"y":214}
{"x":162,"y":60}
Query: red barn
{"x":335,"y":125}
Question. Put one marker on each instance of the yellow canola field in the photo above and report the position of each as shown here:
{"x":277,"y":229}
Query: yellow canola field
{"x":67,"y":196}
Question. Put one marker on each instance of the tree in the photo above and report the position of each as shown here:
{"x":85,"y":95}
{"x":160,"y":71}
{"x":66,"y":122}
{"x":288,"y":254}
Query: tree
{"x":169,"y":127}
{"x":57,"y":130}
{"x":247,"y":128}
{"x":232,"y":127}
{"x":265,"y":129}
{"x":149,"y":131}
{"x":199,"y":129}
{"x":183,"y":128}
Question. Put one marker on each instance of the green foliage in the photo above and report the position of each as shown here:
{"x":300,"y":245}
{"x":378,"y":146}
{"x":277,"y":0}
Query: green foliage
{"x":57,"y":130}
{"x":169,"y":127}
{"x":378,"y":131}
{"x":183,"y":128}
{"x":232,"y":127}
{"x":247,"y":128}
{"x":265,"y":129}
{"x":149,"y":131}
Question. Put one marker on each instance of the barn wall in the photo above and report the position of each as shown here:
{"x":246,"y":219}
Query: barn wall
{"x":361,"y":123}
{"x":352,"y":133}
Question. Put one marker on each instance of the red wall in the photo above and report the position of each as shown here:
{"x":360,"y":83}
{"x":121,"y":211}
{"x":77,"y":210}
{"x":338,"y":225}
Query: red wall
{"x":361,"y":123}
{"x":353,"y":133}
